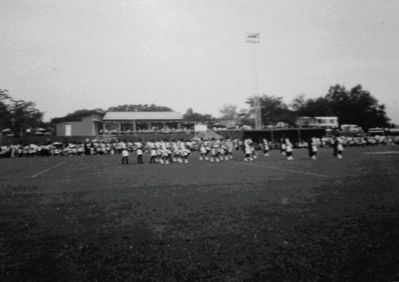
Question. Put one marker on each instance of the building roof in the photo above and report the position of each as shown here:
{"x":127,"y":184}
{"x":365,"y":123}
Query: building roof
{"x":142,"y":116}
{"x":309,"y":117}
{"x":76,"y":116}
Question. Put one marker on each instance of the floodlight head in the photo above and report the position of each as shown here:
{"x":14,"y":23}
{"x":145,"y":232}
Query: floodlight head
{"x":253,"y":38}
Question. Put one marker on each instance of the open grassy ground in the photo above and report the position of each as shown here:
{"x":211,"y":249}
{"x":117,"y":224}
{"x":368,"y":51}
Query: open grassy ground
{"x":91,"y":219}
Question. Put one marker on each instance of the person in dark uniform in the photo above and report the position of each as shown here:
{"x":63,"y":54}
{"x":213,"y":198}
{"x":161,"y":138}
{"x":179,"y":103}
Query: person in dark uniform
{"x":87,"y":148}
{"x":334,"y":144}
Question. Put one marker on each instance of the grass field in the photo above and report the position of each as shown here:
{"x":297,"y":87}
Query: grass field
{"x":91,"y":219}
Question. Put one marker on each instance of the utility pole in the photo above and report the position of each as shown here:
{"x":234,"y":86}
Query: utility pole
{"x":253,"y":39}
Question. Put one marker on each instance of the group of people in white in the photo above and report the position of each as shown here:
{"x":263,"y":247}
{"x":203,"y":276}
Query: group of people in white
{"x":166,"y":152}
{"x":218,"y":150}
{"x":159,"y":151}
{"x":286,"y":148}
{"x":179,"y":151}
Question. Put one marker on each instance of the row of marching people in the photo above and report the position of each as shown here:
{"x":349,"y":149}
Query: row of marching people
{"x":217,"y":150}
{"x":286,"y":148}
{"x":160,"y":152}
{"x":179,"y":152}
{"x":167,"y":152}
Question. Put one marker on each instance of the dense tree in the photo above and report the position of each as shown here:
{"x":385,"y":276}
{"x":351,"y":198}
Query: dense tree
{"x":273,"y":110}
{"x":298,"y":102}
{"x":140,"y":108}
{"x":314,"y":107}
{"x":192,"y":116}
{"x":229,"y":112}
{"x":85,"y":111}
{"x":124,"y":108}
{"x":5,"y":113}
{"x":246,"y":117}
{"x":76,"y":114}
{"x":356,"y":106}
{"x":25,"y":116}
{"x":18,"y":115}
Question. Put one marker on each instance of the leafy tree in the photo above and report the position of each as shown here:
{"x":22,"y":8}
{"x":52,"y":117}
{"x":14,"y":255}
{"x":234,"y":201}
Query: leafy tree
{"x":140,"y":108}
{"x":315,"y":107}
{"x":85,"y":111}
{"x":76,"y":114}
{"x":5,"y":113}
{"x":246,"y":117}
{"x":340,"y":104}
{"x":273,"y":110}
{"x":229,"y":112}
{"x":192,"y":116}
{"x":298,"y":102}
{"x":18,"y":115}
{"x":25,"y":115}
{"x":356,"y":106}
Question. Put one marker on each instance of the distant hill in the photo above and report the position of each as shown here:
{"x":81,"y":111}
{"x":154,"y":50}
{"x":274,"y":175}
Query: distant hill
{"x":140,"y":108}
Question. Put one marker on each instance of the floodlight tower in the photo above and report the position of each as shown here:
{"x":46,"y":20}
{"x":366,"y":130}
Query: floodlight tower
{"x":253,"y":39}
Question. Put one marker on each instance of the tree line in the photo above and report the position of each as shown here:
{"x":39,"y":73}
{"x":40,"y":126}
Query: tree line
{"x":351,"y":106}
{"x":18,"y":115}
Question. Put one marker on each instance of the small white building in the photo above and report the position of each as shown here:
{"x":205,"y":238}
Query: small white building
{"x":354,"y":128}
{"x":323,"y":122}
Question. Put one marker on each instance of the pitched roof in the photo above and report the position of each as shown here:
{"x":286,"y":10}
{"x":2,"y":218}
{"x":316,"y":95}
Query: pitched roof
{"x":142,"y":116}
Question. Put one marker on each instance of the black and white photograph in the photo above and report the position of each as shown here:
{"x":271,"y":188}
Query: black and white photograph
{"x":199,"y":140}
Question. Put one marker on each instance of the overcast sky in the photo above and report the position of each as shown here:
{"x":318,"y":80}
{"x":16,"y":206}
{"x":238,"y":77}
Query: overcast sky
{"x":72,"y":54}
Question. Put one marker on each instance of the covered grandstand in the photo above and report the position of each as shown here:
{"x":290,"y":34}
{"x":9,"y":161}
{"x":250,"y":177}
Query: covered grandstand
{"x":130,"y":122}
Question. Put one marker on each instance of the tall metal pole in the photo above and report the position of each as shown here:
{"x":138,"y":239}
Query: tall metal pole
{"x":253,"y":38}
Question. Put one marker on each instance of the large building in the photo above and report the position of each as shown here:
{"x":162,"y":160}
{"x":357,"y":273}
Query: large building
{"x":93,"y":123}
{"x":115,"y":122}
